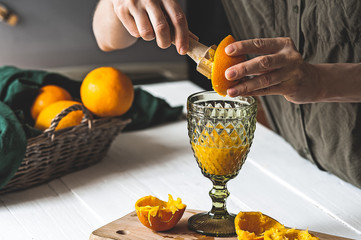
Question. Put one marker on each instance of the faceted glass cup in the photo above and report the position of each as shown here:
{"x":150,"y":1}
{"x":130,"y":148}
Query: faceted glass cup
{"x":221,"y":131}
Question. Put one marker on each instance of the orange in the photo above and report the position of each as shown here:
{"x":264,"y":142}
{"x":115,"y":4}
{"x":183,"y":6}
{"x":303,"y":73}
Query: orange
{"x":47,"y":95}
{"x":221,"y":62}
{"x":159,"y":215}
{"x":252,"y":225}
{"x":107,"y":92}
{"x":48,"y":114}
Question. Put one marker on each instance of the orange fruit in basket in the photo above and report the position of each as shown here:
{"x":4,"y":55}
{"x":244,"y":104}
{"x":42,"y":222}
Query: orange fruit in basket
{"x":252,"y":225}
{"x":47,"y":95}
{"x":289,"y":234}
{"x":159,"y":215}
{"x":45,"y":117}
{"x":220,"y":64}
{"x":107,"y":92}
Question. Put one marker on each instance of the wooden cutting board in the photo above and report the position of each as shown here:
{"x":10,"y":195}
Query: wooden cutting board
{"x":129,"y":227}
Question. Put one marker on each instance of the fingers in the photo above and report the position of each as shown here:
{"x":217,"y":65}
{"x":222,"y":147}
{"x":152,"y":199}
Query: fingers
{"x":264,"y":84}
{"x":273,"y":90}
{"x":159,"y":24}
{"x":256,"y":66}
{"x":179,"y":24}
{"x":134,"y":18}
{"x":155,"y":19}
{"x":143,"y":24}
{"x":127,"y":20}
{"x":258,"y":46}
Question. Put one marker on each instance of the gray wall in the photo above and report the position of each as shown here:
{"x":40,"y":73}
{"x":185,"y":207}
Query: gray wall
{"x":58,"y":33}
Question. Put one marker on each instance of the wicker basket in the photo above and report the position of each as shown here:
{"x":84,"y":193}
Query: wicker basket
{"x":56,"y":153}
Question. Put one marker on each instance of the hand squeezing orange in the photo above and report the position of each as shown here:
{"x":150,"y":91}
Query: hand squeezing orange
{"x":159,"y":215}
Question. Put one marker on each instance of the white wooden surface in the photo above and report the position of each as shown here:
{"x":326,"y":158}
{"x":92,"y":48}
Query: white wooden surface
{"x":158,"y":161}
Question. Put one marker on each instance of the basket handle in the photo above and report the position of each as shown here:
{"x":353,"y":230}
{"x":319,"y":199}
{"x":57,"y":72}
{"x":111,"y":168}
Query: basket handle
{"x":66,"y":111}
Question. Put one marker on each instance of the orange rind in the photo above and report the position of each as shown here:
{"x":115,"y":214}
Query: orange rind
{"x":258,"y":226}
{"x":288,"y":234}
{"x":221,"y":63}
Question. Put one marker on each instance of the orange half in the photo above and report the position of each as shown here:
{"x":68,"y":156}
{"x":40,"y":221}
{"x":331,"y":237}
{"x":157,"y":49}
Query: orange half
{"x":221,"y":63}
{"x":159,"y":215}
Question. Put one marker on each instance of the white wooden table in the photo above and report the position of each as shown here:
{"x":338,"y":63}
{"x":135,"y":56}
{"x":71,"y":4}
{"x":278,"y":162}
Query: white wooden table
{"x":274,"y":180}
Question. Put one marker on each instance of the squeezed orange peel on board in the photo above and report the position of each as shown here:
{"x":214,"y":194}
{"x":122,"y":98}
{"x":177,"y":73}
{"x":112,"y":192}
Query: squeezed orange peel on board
{"x":288,"y":234}
{"x":159,"y":215}
{"x":258,"y":226}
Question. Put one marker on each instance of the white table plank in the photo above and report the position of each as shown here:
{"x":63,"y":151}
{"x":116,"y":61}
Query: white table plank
{"x":50,"y":210}
{"x":11,"y":225}
{"x":31,"y":207}
{"x":75,"y":206}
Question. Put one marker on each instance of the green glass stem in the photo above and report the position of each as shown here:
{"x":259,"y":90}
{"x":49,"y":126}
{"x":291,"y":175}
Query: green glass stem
{"x":219,"y":194}
{"x":217,"y":222}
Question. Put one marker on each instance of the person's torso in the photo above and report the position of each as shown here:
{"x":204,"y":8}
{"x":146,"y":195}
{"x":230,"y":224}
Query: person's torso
{"x":324,"y":32}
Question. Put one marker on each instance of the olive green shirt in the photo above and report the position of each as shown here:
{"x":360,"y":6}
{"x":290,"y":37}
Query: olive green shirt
{"x":328,"y":134}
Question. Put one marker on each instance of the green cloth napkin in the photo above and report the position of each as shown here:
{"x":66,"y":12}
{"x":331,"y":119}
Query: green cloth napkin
{"x":18,"y":89}
{"x":12,"y":144}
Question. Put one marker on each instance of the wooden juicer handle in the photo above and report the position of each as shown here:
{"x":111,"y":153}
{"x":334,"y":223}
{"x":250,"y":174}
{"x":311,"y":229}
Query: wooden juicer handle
{"x":202,"y":55}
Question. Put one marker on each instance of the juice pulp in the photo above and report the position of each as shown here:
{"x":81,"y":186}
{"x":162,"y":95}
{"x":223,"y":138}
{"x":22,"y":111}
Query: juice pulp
{"x":220,"y":154}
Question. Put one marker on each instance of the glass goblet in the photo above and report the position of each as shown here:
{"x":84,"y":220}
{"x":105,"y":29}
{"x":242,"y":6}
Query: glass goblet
{"x":221,"y":131}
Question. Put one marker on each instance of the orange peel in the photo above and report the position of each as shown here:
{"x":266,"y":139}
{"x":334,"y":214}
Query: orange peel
{"x":159,"y":215}
{"x":252,"y":225}
{"x":258,"y":226}
{"x":289,"y":234}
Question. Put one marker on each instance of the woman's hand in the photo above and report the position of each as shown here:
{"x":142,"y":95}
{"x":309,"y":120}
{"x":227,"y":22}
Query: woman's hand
{"x":162,"y":20}
{"x":278,"y":70}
